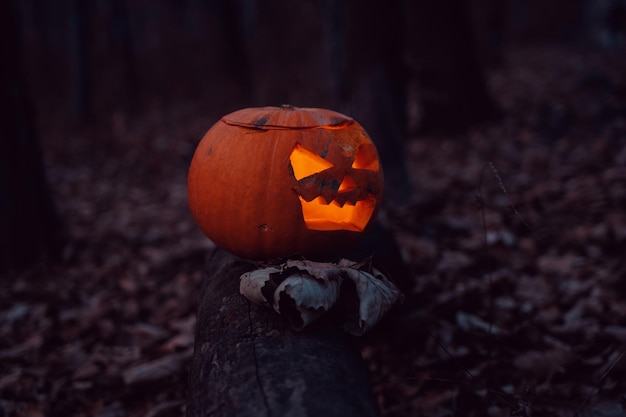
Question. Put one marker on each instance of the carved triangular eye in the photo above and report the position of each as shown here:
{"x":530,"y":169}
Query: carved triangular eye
{"x":305,"y":163}
{"x":366,"y":158}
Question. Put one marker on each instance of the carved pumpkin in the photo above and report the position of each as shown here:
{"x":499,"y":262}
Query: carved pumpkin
{"x":272,"y":182}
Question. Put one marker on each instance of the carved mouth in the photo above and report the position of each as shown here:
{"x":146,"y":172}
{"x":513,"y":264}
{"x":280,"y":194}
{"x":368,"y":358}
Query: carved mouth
{"x":320,"y":215}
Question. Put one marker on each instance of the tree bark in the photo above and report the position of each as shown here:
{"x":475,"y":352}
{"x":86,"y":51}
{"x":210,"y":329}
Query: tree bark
{"x":248,"y":362}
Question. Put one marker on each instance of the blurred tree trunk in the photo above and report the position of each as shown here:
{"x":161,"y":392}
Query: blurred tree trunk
{"x":237,"y":23}
{"x":81,"y":88}
{"x":28,"y":222}
{"x":445,"y":63}
{"x":490,"y":18}
{"x":123,"y":36}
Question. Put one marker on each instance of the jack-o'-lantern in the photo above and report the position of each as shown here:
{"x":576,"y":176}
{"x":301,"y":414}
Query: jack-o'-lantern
{"x":272,"y":182}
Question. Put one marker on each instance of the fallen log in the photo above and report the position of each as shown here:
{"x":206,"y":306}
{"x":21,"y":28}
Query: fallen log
{"x":248,"y":361}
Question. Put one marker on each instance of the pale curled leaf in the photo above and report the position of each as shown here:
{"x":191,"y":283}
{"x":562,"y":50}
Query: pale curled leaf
{"x":313,"y":290}
{"x":308,"y":292}
{"x":251,"y":283}
{"x":309,"y":296}
{"x":376,"y":296}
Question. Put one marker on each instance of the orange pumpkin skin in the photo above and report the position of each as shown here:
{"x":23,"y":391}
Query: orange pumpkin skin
{"x":243,"y":191}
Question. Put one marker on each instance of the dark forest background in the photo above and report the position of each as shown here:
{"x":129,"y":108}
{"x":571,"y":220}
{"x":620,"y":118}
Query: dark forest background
{"x":400,"y":68}
{"x":501,"y":129}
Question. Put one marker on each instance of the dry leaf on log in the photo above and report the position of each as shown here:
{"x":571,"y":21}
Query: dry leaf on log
{"x":305,"y":290}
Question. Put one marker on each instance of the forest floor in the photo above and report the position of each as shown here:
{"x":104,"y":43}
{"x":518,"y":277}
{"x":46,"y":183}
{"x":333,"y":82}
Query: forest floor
{"x":514,"y":242}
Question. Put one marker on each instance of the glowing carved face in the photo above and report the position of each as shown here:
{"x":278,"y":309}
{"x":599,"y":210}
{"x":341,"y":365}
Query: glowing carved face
{"x":336,"y":195}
